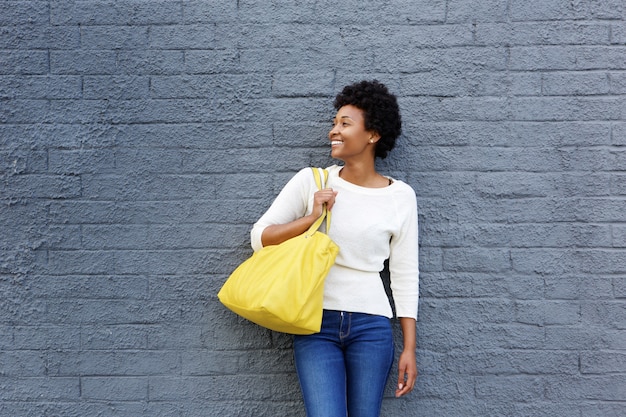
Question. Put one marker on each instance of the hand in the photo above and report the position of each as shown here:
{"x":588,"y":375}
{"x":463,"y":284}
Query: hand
{"x":407,"y":373}
{"x":321,"y":197}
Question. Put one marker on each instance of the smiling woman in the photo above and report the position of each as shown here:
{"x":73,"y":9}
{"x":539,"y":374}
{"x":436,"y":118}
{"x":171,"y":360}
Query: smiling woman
{"x":344,"y":368}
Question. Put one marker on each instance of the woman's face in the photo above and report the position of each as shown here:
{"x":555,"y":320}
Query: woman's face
{"x":348,"y":138}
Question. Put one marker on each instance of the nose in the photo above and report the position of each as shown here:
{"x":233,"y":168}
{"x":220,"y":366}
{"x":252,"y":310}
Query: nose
{"x":333,"y":131}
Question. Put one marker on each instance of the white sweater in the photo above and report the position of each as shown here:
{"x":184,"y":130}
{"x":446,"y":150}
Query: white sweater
{"x":369,"y":225}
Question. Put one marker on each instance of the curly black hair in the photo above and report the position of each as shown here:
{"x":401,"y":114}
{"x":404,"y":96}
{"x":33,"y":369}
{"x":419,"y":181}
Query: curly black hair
{"x":380,"y":109}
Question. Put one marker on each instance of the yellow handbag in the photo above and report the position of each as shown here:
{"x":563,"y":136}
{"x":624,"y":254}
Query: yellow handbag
{"x":281,"y":287}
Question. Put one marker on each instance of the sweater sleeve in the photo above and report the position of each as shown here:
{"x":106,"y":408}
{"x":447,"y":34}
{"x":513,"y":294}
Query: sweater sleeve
{"x":403,"y":258}
{"x":293,"y":202}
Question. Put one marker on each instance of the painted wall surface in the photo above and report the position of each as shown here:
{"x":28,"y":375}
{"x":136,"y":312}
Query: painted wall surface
{"x":140,"y":139}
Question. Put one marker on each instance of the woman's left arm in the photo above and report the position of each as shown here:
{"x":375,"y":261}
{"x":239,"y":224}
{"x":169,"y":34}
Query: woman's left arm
{"x":407,"y":364}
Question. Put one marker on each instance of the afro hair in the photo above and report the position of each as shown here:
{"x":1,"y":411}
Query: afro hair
{"x":380,"y":109}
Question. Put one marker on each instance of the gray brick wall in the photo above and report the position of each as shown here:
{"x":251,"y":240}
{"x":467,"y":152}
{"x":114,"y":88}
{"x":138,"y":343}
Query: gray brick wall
{"x":140,"y":139}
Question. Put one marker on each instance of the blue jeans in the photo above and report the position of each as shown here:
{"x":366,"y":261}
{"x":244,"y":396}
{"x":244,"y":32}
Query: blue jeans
{"x":343,"y":369}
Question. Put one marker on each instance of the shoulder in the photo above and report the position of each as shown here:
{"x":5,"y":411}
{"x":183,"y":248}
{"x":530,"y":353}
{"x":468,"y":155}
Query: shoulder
{"x":304,"y":179}
{"x":403,"y":188}
{"x":404,"y":192}
{"x":303,"y":175}
{"x":333,"y":169}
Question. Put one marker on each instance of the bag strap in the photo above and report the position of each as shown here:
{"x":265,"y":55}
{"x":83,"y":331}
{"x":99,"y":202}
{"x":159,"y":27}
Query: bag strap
{"x":325,"y":213}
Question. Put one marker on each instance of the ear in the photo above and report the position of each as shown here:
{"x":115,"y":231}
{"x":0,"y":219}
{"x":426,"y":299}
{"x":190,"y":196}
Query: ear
{"x":374,"y":137}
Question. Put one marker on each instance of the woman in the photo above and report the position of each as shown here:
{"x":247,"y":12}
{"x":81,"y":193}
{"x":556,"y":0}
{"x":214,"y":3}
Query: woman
{"x":343,"y":369}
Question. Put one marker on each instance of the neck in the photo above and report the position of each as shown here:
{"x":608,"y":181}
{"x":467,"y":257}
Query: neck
{"x":363,"y":174}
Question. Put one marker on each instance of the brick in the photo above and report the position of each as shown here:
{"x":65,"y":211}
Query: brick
{"x":116,"y":87}
{"x":114,"y":37}
{"x":23,"y":162}
{"x":39,"y":389}
{"x":163,"y":161}
{"x":513,"y":362}
{"x":544,"y":313}
{"x":182,"y":37}
{"x":40,"y":337}
{"x":83,"y":62}
{"x":618,"y":185}
{"x":40,"y":87}
{"x":318,"y":84}
{"x":578,"y":32}
{"x":202,"y":86}
{"x":22,"y":364}
{"x":548,"y":10}
{"x":548,"y":409}
{"x":260,"y":35}
{"x":602,"y":261}
{"x":198,"y":11}
{"x":587,"y":84}
{"x":605,"y":313}
{"x":518,"y":388}
{"x":180,"y":337}
{"x":57,"y":136}
{"x":86,"y":13}
{"x":463,"y":11}
{"x":566,"y":108}
{"x":22,"y":110}
{"x":191,"y":136}
{"x":578,"y":287}
{"x":236,"y":161}
{"x":24,"y":62}
{"x":144,"y":12}
{"x":114,"y":337}
{"x":617,"y":83}
{"x":603,"y":363}
{"x":619,"y":287}
{"x":215,"y":363}
{"x":149,"y":62}
{"x":89,"y":286}
{"x":618,"y":33}
{"x":42,"y":186}
{"x":24,"y":12}
{"x":618,"y":134}
{"x":460,"y":406}
{"x":602,"y":409}
{"x":251,"y":407}
{"x":399,"y":11}
{"x":113,"y":364}
{"x":211,"y":62}
{"x":207,"y":387}
{"x":476,"y":260}
{"x":531,"y":134}
{"x":545,"y":261}
{"x":602,"y":388}
{"x":467,"y":310}
{"x":87,"y":161}
{"x":607,"y":9}
{"x":115,"y":388}
{"x":114,"y":187}
{"x":560,"y":58}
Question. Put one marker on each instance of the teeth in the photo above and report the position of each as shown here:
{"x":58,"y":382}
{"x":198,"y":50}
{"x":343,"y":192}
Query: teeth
{"x":335,"y":142}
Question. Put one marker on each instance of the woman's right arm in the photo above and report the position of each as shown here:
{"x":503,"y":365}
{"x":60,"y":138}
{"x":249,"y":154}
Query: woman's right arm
{"x":278,"y":233}
{"x":292,"y":212}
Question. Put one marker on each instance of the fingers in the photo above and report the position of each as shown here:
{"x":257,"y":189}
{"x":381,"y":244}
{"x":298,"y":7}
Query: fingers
{"x":406,"y":380}
{"x":331,"y":202}
{"x":325,"y":196}
{"x":405,"y":386}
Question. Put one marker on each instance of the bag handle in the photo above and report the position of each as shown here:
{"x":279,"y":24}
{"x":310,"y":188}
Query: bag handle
{"x":325,"y":213}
